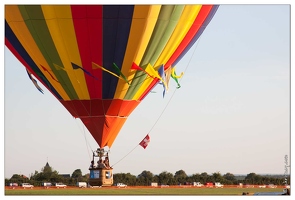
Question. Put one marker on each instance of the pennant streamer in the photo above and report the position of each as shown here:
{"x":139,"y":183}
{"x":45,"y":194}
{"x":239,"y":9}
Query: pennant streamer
{"x":35,"y":82}
{"x":119,"y":72}
{"x":85,"y":71}
{"x":96,"y":66}
{"x":49,"y":73}
{"x":175,"y":77}
{"x":167,"y":78}
{"x":163,"y":77}
{"x":136,"y":67}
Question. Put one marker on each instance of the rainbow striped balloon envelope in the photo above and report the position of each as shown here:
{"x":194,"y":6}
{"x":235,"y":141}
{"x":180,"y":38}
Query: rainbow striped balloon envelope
{"x":100,"y":61}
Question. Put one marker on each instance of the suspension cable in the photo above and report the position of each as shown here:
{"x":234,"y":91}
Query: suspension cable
{"x":86,"y":141}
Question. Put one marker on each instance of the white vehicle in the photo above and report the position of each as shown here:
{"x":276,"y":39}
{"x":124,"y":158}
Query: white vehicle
{"x":13,"y":185}
{"x":154,"y":184}
{"x":272,"y":186}
{"x":218,"y":185}
{"x":60,"y":185}
{"x":46,"y":185}
{"x":81,"y":184}
{"x":121,"y":185}
{"x":262,"y":186}
{"x":198,"y":184}
{"x":27,"y":185}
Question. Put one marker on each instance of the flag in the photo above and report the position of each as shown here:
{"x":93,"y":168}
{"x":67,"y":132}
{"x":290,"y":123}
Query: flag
{"x":74,"y":66}
{"x":136,"y":67}
{"x":152,"y":72}
{"x":163,"y":77}
{"x":96,"y":66}
{"x":49,"y":73}
{"x":34,"y":82}
{"x":168,"y":75}
{"x":174,"y":73}
{"x":175,"y":77}
{"x":44,"y":79}
{"x":149,"y":70}
{"x":121,"y":74}
{"x":144,"y":143}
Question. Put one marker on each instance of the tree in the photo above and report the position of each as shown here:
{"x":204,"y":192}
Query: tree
{"x":47,"y":174}
{"x":230,"y":179}
{"x":229,"y":176}
{"x":156,"y":179}
{"x":217,"y":177}
{"x":55,"y":177}
{"x":166,"y":178}
{"x":16,"y":178}
{"x":145,"y":178}
{"x":128,"y":178}
{"x":196,"y":178}
{"x":250,"y":178}
{"x":77,"y":174}
{"x":205,"y":177}
{"x":180,"y":177}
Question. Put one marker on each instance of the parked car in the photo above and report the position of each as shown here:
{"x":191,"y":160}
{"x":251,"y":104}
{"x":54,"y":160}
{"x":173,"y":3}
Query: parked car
{"x":13,"y":184}
{"x":272,"y":186}
{"x":27,"y":185}
{"x":249,"y":186}
{"x":46,"y":185}
{"x":81,"y":184}
{"x":218,"y":185}
{"x":121,"y":185}
{"x":209,"y":184}
{"x":262,"y":186}
{"x":60,"y":185}
{"x":198,"y":184}
{"x":164,"y":186}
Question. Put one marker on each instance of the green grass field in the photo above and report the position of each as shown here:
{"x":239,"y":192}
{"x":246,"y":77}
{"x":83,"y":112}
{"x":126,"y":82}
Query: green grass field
{"x":140,"y":191}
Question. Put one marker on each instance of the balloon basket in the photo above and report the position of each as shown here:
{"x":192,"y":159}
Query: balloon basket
{"x":100,"y":174}
{"x":101,"y":177}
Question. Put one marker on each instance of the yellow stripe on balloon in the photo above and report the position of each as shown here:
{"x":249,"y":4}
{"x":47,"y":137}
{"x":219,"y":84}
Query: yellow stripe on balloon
{"x":185,"y":22}
{"x":17,"y":24}
{"x":143,"y":23}
{"x":60,"y":24}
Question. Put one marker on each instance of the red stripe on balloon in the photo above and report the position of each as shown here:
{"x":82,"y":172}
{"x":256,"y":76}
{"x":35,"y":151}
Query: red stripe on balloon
{"x":88,"y":27}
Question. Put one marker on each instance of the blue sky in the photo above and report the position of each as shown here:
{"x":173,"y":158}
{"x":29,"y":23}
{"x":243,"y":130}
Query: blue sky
{"x":231,"y":114}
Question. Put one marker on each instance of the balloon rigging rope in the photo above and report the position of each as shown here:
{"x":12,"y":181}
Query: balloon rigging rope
{"x":86,"y":141}
{"x":165,"y":106}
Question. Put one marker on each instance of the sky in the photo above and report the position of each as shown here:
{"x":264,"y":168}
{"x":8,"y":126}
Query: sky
{"x":231,"y":114}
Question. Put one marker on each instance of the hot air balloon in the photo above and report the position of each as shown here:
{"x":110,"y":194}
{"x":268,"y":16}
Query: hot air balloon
{"x":100,"y":61}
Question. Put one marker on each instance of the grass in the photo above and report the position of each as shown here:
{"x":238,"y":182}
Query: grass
{"x":140,"y":191}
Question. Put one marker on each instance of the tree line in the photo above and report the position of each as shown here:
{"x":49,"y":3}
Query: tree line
{"x":47,"y":174}
{"x":181,"y":178}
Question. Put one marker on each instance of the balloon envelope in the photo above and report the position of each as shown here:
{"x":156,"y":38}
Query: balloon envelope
{"x":100,"y":61}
